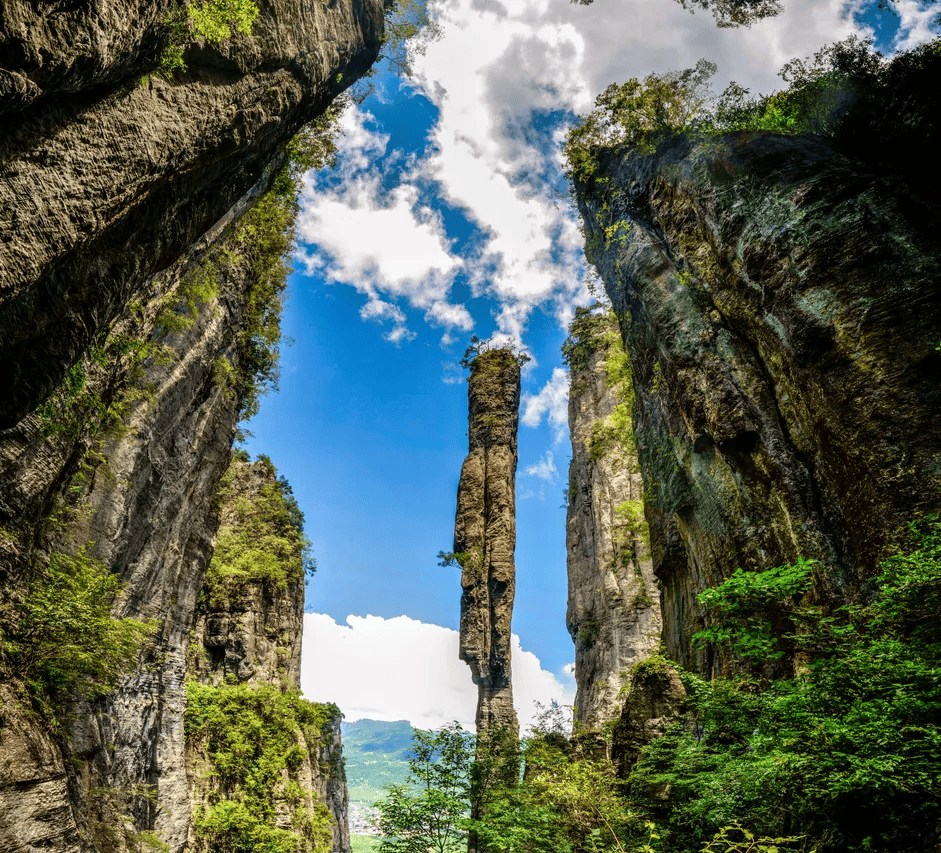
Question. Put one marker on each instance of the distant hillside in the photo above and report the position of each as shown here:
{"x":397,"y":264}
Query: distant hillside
{"x":376,"y":755}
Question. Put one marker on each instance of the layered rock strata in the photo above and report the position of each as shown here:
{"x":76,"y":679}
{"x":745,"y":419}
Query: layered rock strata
{"x":485,"y":534}
{"x":147,"y":512}
{"x":128,"y":343}
{"x":249,"y":619}
{"x":108,"y":175}
{"x":613,"y":599}
{"x":779,"y":299}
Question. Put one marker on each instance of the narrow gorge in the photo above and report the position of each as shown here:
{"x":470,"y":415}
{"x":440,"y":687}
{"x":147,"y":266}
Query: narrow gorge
{"x":753,"y":548}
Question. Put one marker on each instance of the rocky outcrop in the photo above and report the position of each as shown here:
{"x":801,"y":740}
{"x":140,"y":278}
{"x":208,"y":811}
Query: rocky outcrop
{"x":132,"y":341}
{"x":147,"y":513}
{"x":249,"y":618}
{"x":245,"y":655}
{"x":779,"y":299}
{"x":655,"y":699}
{"x":613,"y":599}
{"x":107,"y":177}
{"x":485,"y":534}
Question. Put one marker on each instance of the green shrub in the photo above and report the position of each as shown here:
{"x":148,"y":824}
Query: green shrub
{"x":847,"y":755}
{"x":255,"y":739}
{"x":64,"y":644}
{"x":261,"y":537}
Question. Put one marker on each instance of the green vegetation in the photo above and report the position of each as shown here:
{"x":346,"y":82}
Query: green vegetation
{"x":844,"y":757}
{"x":364,"y":843}
{"x":847,"y":753}
{"x":407,"y":32}
{"x":62,"y":643}
{"x":255,"y":739}
{"x":428,"y":811}
{"x":212,"y":20}
{"x":261,"y":536}
{"x":595,"y":330}
{"x":376,"y":756}
{"x":636,"y":115}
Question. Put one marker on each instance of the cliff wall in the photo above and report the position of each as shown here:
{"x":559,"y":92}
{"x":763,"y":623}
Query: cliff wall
{"x":109,"y":175}
{"x":138,"y":322}
{"x":286,"y":783}
{"x":485,"y":534}
{"x":778,"y":296}
{"x":613,"y":599}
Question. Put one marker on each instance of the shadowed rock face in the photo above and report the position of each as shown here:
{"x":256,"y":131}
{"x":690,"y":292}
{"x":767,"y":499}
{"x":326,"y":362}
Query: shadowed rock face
{"x":111,"y":191}
{"x":105,"y":181}
{"x":613,"y":600}
{"x":485,"y":534}
{"x":780,"y":303}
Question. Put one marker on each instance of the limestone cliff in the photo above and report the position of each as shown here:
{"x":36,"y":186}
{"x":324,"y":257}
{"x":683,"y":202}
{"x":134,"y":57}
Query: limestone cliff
{"x":485,"y":533}
{"x":249,"y":618}
{"x":288,"y":783}
{"x":779,"y":299}
{"x":144,"y":223}
{"x":108,"y":175}
{"x":613,"y":599}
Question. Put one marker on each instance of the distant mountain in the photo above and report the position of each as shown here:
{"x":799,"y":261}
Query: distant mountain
{"x":376,"y":755}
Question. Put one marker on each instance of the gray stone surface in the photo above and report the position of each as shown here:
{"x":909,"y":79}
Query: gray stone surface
{"x":779,"y":300}
{"x":485,"y":532}
{"x":613,"y":598}
{"x":101,"y":189}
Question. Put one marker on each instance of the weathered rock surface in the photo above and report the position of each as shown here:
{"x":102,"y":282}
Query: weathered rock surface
{"x":250,"y":628}
{"x":104,"y":181}
{"x":485,"y":534}
{"x":113,"y":191}
{"x":779,"y":299}
{"x":655,"y":700}
{"x":613,"y":599}
{"x":148,"y":516}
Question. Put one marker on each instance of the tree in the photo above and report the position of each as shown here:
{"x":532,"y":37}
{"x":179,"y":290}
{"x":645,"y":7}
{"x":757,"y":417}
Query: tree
{"x":429,"y":811}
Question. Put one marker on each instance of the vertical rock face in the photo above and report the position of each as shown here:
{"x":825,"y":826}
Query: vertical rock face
{"x":105,"y":181}
{"x":245,"y":654}
{"x":613,"y":601}
{"x":485,"y":534}
{"x":147,"y":513}
{"x":780,"y":302}
{"x":125,"y":374}
{"x":249,"y":618}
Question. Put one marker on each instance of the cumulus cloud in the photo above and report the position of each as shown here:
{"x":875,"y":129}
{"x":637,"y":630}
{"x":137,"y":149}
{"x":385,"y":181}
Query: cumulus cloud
{"x":506,"y":78}
{"x":383,"y":241}
{"x":400,"y":668}
{"x":551,"y":403}
{"x":544,"y":469}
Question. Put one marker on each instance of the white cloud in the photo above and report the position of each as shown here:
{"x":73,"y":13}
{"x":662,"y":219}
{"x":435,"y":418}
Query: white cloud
{"x":503,"y":77}
{"x":384,"y":242}
{"x":551,"y":402}
{"x":544,"y":469}
{"x":916,"y":23}
{"x":403,"y":669}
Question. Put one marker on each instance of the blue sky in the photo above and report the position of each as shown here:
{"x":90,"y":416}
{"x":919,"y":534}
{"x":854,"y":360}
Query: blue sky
{"x":446,"y":217}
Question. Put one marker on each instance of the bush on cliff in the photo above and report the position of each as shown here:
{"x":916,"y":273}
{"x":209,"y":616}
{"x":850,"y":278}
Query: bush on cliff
{"x":63,"y":643}
{"x":254,"y":741}
{"x":847,"y":754}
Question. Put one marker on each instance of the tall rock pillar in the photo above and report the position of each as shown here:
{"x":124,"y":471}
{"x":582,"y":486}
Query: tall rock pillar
{"x":613,"y":602}
{"x":485,"y":534}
